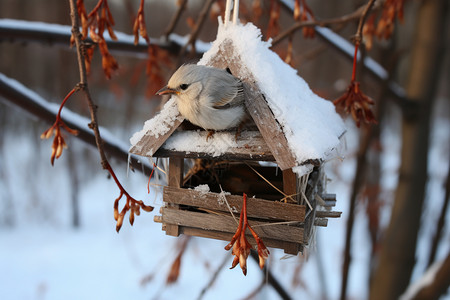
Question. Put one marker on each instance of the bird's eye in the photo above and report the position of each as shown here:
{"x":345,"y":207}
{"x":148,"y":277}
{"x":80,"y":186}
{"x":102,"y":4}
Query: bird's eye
{"x":184,"y":86}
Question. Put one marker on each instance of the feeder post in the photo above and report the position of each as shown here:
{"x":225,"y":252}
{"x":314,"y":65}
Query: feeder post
{"x":290,"y":183}
{"x":176,"y":169}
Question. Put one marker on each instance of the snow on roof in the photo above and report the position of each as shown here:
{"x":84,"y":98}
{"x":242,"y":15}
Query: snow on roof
{"x":159,"y":124}
{"x":310,"y":123}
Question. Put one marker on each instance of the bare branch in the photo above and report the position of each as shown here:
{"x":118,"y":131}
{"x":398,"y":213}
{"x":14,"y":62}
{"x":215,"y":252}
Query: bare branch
{"x":173,"y":23}
{"x":20,"y":96}
{"x":55,"y":34}
{"x":198,"y":26}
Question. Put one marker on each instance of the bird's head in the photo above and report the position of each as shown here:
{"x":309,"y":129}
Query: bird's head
{"x":186,"y":82}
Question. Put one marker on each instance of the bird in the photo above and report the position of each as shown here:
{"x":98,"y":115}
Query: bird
{"x":208,"y":97}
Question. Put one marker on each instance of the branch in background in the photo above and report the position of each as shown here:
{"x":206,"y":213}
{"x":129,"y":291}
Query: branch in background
{"x":55,"y":34}
{"x":318,"y":23}
{"x":173,"y":23}
{"x":433,"y":284}
{"x":345,"y":48}
{"x":19,"y":95}
{"x":214,"y":276}
{"x":196,"y":30}
{"x":271,"y":279}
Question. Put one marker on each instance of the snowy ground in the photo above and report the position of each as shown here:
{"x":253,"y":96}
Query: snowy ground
{"x":43,"y":257}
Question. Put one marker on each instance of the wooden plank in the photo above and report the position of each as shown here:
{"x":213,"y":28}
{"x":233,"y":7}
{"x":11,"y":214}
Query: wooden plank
{"x":176,"y":168}
{"x":268,"y":126}
{"x":250,"y":145}
{"x":255,"y":207}
{"x":149,"y":144}
{"x":290,"y":182}
{"x":256,"y":105}
{"x":288,"y":247}
{"x":226,"y":223}
{"x":328,"y":214}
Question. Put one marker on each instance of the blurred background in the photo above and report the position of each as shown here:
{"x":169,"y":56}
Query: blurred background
{"x":57,"y":232}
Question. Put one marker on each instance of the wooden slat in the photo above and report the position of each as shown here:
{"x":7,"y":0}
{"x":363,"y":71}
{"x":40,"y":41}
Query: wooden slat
{"x":176,"y":168}
{"x":290,"y":183}
{"x":256,"y":105}
{"x":250,"y":146}
{"x":270,"y":129}
{"x":288,"y":247}
{"x":328,"y":214}
{"x":228,"y":224}
{"x":149,"y":144}
{"x":255,"y":207}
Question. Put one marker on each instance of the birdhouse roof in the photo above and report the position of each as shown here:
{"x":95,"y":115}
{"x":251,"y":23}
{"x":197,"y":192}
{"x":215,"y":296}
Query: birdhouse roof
{"x":295,"y":125}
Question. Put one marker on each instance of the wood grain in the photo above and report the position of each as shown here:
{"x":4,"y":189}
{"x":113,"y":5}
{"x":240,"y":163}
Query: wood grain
{"x":226,"y":223}
{"x":255,"y":207}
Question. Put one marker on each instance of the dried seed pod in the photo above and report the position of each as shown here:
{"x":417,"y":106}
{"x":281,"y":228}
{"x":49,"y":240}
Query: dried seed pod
{"x":116,"y":209}
{"x":147,"y":208}
{"x":132,"y":216}
{"x":120,"y":220}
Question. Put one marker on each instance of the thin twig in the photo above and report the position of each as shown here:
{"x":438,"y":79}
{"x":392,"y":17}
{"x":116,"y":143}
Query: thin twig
{"x":175,"y":19}
{"x":131,"y":203}
{"x":362,"y":20}
{"x":322,"y":23}
{"x":213,"y":277}
{"x":83,"y":82}
{"x":198,"y":26}
{"x":271,"y":279}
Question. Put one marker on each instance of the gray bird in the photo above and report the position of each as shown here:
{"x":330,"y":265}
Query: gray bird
{"x":208,"y":97}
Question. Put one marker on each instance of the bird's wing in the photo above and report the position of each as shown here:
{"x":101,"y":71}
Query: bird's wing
{"x":225,"y":91}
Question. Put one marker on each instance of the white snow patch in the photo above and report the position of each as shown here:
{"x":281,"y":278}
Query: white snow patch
{"x":195,"y":141}
{"x":203,"y":188}
{"x":160,"y":124}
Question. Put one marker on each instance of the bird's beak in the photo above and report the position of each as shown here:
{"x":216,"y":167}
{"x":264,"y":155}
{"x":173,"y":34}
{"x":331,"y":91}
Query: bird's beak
{"x":166,"y":91}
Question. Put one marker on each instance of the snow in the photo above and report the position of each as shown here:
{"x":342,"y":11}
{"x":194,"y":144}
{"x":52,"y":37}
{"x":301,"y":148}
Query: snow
{"x":203,"y":188}
{"x":195,"y":141}
{"x":160,"y":124}
{"x":310,"y":123}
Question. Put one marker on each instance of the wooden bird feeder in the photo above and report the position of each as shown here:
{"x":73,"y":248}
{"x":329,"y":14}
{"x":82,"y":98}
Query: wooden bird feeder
{"x":282,"y":222}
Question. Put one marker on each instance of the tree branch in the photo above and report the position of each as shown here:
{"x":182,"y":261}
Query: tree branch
{"x":353,"y":16}
{"x":55,"y":34}
{"x":20,"y":96}
{"x":173,"y":23}
{"x":198,"y":26}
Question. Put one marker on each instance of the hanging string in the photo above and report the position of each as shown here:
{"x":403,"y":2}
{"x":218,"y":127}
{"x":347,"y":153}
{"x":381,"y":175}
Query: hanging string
{"x":235,"y":11}
{"x":228,"y":11}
